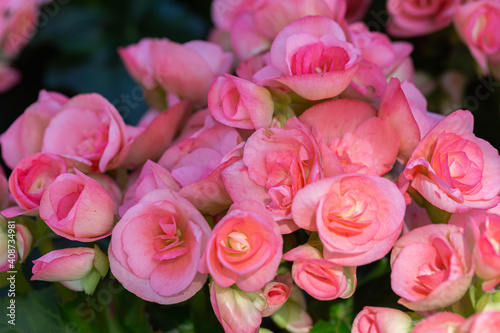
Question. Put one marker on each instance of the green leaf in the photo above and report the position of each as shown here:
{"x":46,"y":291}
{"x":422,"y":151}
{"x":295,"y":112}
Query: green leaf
{"x":322,"y":327}
{"x":33,"y":311}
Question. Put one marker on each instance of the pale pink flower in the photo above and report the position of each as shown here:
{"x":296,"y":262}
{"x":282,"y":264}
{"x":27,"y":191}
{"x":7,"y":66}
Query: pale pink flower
{"x":90,"y":128}
{"x":358,"y":217}
{"x":312,"y":58}
{"x":277,"y":162}
{"x":239,"y":103}
{"x":478,"y":23}
{"x":416,"y":18}
{"x":156,"y":246}
{"x":78,"y":269}
{"x":350,"y":129}
{"x":432,"y":267}
{"x":25,"y":136}
{"x":193,"y":64}
{"x":381,"y":320}
{"x":77,"y":207}
{"x":441,"y":322}
{"x":453,"y":169}
{"x":319,"y":277}
{"x":245,"y":248}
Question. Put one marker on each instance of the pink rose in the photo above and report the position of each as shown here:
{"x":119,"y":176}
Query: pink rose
{"x":277,"y":162}
{"x":416,"y":18}
{"x":478,"y":23}
{"x":381,"y":320}
{"x":432,"y":267}
{"x":79,"y":268}
{"x":25,"y":136}
{"x":88,"y":127}
{"x":441,"y":322}
{"x":319,"y":277}
{"x":362,"y":142}
{"x":240,"y":103}
{"x":245,"y":248}
{"x":453,"y":169}
{"x":313,"y":57}
{"x":31,"y":177}
{"x":156,"y":246}
{"x":358,"y":217}
{"x":193,"y":64}
{"x":77,"y":207}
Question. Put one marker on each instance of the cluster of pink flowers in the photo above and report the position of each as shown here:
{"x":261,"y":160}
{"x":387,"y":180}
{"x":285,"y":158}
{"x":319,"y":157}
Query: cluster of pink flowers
{"x":320,"y":132}
{"x":477,"y":22}
{"x":18,"y":21}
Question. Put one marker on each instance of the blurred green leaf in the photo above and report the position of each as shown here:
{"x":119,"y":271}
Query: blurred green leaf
{"x":34,"y":312}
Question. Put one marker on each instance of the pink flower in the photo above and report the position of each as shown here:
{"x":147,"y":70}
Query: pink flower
{"x":239,"y":103}
{"x":381,"y":320}
{"x":453,"y":169}
{"x":149,"y":141}
{"x":483,"y":230}
{"x":196,"y":164}
{"x":78,"y":208}
{"x":79,"y":268}
{"x":358,"y":217}
{"x":484,"y":322}
{"x":193,"y":64}
{"x":293,"y":315}
{"x":19,"y":235}
{"x":9,"y":77}
{"x":245,"y":248}
{"x":88,"y":127}
{"x":31,"y":177}
{"x":405,"y":108}
{"x":416,"y":18}
{"x":362,"y":142}
{"x":277,"y":162}
{"x":254,"y":24}
{"x":276,"y":293}
{"x":441,"y":322}
{"x":432,"y":267}
{"x":18,"y":25}
{"x":156,"y":246}
{"x":238,"y":311}
{"x":313,"y":57}
{"x":378,"y":49}
{"x":151,"y":177}
{"x":478,"y":23}
{"x":25,"y":136}
{"x":319,"y":277}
